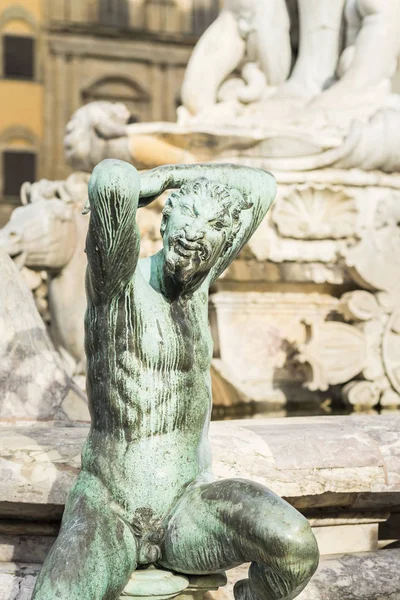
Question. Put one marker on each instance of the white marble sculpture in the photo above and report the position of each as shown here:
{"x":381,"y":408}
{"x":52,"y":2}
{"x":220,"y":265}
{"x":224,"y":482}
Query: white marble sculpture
{"x":47,"y":234}
{"x":333,"y":108}
{"x":33,"y":381}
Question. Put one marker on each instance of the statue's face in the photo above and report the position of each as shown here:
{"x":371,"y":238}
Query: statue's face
{"x":195,"y":236}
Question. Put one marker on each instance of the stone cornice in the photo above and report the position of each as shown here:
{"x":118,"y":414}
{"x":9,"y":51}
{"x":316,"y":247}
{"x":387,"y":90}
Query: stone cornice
{"x":144,"y":50}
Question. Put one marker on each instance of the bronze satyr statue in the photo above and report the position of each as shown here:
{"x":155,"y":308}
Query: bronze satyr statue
{"x":146,"y":493}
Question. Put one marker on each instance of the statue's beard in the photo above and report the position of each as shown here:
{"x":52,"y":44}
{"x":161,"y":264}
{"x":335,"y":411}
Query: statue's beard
{"x":184,"y":260}
{"x":181,"y":268}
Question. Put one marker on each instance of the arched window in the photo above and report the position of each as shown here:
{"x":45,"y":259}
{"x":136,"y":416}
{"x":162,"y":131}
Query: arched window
{"x":19,"y":153}
{"x":120,"y":89}
{"x":18,"y":44}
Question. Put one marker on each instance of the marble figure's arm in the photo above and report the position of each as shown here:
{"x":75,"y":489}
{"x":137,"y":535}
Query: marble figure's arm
{"x":113,"y":239}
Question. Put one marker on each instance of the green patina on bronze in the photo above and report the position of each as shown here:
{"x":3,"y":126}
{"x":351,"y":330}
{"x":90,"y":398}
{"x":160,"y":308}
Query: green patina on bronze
{"x":146,"y":493}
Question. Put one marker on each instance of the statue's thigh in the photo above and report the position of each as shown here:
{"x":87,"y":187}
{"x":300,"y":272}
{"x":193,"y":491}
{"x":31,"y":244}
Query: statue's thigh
{"x":95,"y":551}
{"x":222,"y":524}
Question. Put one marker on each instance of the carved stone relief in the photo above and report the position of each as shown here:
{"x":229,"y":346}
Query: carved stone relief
{"x":373,"y":316}
{"x":336,"y":352}
{"x":316,"y":212}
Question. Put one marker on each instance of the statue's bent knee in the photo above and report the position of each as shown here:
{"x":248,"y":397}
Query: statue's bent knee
{"x":304,"y":549}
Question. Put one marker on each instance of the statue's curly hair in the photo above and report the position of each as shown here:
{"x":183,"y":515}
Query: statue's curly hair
{"x":227,"y":197}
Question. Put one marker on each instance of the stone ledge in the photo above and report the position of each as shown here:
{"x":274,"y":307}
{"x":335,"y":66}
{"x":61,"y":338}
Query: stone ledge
{"x":367,"y":576}
{"x":320,"y":462}
{"x":364,"y":576}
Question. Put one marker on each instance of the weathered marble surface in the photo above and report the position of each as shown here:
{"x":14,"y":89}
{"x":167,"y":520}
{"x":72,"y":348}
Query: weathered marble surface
{"x":364,"y":576}
{"x":34,"y":384}
{"x":369,"y":338}
{"x":291,"y":289}
{"x":47,"y":234}
{"x":17,"y":581}
{"x":357,"y":577}
{"x":368,"y":576}
{"x":351,"y":462}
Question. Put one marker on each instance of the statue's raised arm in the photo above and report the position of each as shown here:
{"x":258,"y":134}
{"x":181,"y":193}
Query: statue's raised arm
{"x":213,"y":198}
{"x":113,"y":239}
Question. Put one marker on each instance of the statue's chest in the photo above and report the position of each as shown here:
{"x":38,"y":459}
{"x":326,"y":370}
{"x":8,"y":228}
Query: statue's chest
{"x":167,"y":336}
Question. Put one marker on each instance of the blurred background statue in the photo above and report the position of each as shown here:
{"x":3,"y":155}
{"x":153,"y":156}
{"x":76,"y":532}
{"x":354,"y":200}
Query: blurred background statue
{"x":241,"y":96}
{"x":48,"y":234}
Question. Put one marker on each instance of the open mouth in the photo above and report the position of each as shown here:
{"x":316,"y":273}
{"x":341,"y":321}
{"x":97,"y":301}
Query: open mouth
{"x":188,"y":249}
{"x":182,"y":252}
{"x":185,"y":248}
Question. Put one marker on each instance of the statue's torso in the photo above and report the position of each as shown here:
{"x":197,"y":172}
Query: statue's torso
{"x":150,"y":394}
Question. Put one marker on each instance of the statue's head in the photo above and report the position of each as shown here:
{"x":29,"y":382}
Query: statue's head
{"x":200,"y":222}
{"x":84,"y":142}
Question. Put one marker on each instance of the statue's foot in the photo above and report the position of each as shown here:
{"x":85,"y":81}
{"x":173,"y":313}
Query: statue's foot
{"x":242,"y":590}
{"x":343,"y":97}
{"x":273,"y":111}
{"x":297,"y":91}
{"x":285,"y":104}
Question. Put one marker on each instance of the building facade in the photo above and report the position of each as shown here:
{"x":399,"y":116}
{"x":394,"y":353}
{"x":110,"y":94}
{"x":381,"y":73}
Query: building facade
{"x":21,"y":96}
{"x":56,"y":55}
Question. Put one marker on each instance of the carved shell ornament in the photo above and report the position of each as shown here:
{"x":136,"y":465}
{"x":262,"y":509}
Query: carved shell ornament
{"x":336,"y":352}
{"x":314,"y":212}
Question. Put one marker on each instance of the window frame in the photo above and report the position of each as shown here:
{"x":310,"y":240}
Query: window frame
{"x":5,"y":197}
{"x":113,"y":13}
{"x":11,"y":77}
{"x":17,"y":13}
